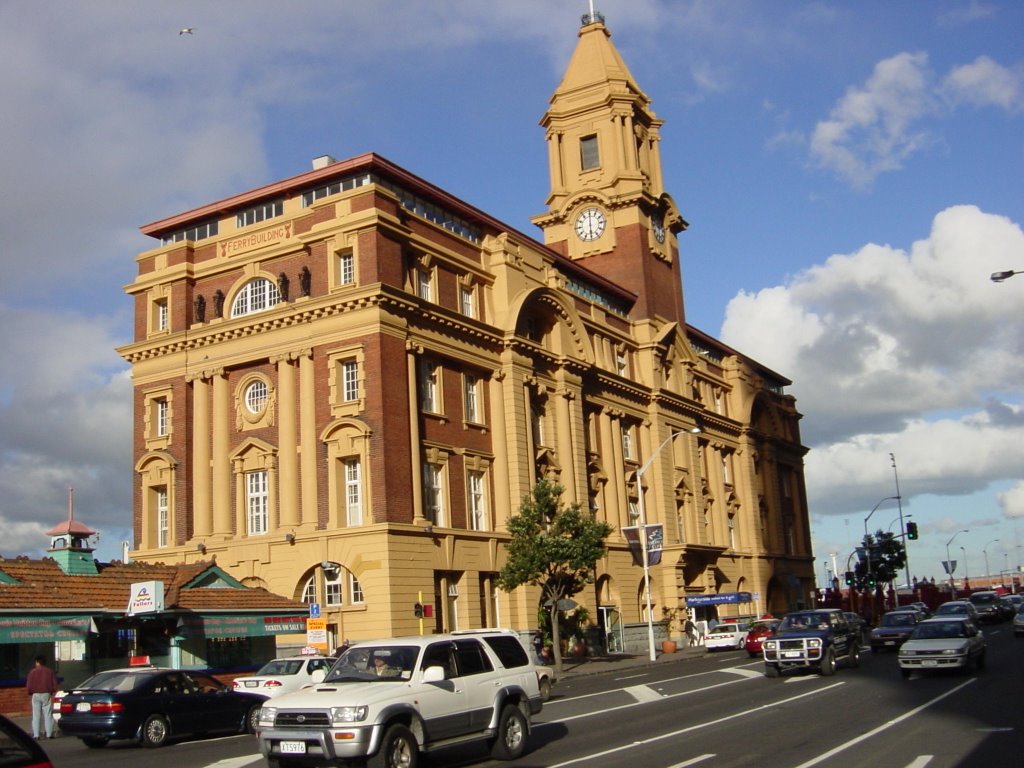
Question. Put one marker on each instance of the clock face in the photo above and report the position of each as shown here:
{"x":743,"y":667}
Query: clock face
{"x":658,"y":225}
{"x":590,"y":224}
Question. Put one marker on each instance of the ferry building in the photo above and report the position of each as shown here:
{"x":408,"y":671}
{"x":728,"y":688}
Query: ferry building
{"x":346,"y":381}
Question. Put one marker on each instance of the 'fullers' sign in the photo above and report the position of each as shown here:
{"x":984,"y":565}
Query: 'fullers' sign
{"x":146,"y":597}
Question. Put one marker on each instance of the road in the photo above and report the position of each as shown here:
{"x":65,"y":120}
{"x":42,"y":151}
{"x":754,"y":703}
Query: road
{"x":719,"y":710}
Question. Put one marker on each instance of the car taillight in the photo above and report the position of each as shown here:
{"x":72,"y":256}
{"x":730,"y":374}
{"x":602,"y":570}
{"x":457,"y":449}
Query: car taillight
{"x":106,"y":707}
{"x":272,"y":683}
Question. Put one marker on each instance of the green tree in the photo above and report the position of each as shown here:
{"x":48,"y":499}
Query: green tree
{"x":554,"y":547}
{"x":884,"y":556}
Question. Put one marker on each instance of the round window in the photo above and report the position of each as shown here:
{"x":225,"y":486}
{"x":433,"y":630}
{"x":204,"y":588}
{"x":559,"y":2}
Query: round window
{"x":256,"y":397}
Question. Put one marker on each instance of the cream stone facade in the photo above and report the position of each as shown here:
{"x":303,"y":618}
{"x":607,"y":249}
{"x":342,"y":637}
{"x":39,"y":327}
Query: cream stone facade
{"x":346,"y":382}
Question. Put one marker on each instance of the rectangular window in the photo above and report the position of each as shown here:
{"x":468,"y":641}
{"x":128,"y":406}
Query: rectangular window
{"x":621,"y":363}
{"x":467,"y":301}
{"x":349,"y":380}
{"x":346,"y":268}
{"x":627,"y":443}
{"x":428,"y":387}
{"x":353,"y":492}
{"x":332,"y":589}
{"x":259,"y":213}
{"x":162,"y":318}
{"x":256,"y":502}
{"x":355,"y":589}
{"x":433,"y":494}
{"x":472,"y":386}
{"x":477,"y":500}
{"x":589,"y":156}
{"x":163,"y":518}
{"x":423,"y":286}
{"x":161,"y":417}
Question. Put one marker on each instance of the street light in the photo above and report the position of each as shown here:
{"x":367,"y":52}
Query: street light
{"x":903,"y":528}
{"x":642,"y":522}
{"x":949,"y":564}
{"x":988,"y":573}
{"x":900,"y":521}
{"x":998,"y":277}
{"x":967,"y":573}
{"x":867,"y":549}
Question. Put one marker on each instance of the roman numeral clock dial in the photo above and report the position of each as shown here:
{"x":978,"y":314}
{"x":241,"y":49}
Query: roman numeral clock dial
{"x":590,"y":224}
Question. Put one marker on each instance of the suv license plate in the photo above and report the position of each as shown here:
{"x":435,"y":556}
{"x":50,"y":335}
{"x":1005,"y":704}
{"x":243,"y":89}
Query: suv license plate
{"x":293,"y":747}
{"x":791,"y":654}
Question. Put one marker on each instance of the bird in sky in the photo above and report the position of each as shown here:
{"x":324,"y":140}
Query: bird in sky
{"x":186,"y":30}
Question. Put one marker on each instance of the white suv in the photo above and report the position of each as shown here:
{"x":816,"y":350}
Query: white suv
{"x":388,"y":700}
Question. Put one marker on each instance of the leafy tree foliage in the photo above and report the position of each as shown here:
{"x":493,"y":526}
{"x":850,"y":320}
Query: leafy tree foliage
{"x":554,"y":547}
{"x":884,"y":557}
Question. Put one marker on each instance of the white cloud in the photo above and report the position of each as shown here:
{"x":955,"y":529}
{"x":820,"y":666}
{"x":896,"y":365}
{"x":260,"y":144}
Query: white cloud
{"x":986,"y":83}
{"x":913,"y":351}
{"x":870,"y":130}
{"x":1012,"y":501}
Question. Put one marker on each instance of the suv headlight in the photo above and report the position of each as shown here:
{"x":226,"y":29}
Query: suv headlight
{"x":814,"y":642}
{"x":769,"y":644}
{"x":342,"y":715}
{"x":267,"y":715}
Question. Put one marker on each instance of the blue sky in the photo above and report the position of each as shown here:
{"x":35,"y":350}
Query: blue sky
{"x":851,"y":173}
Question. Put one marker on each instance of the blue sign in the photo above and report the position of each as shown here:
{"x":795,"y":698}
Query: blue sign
{"x":726,"y":598}
{"x":314,"y":610}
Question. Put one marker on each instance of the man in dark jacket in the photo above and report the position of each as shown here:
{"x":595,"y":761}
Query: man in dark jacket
{"x":41,"y":684}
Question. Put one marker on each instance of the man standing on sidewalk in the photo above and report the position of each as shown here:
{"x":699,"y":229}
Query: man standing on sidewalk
{"x":41,"y":684}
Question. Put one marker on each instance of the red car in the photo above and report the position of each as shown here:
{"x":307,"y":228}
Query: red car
{"x":759,"y":630}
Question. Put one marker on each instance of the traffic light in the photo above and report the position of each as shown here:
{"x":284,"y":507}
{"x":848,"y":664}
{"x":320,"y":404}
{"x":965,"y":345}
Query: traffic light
{"x":417,"y":609}
{"x":849,"y":578}
{"x":871,"y":580}
{"x":911,"y":530}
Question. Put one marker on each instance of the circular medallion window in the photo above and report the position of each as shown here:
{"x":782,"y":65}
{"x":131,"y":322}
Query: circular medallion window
{"x":256,"y":397}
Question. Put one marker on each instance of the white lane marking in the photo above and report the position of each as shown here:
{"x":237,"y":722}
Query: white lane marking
{"x":693,"y":761}
{"x":643,"y":693}
{"x":237,"y":762}
{"x":742,"y":672}
{"x":567,"y":699}
{"x":884,"y":726}
{"x":630,"y":677}
{"x":570,"y":718}
{"x":920,"y":761}
{"x":688,"y":729}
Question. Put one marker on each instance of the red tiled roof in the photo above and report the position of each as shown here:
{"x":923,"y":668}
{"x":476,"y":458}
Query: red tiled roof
{"x":43,"y":586}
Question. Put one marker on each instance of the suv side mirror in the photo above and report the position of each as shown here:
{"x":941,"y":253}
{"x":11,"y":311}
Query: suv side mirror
{"x":433,"y":674}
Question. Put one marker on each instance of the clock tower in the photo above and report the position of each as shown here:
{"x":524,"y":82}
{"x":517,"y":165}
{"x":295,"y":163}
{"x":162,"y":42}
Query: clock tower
{"x":608,"y":207}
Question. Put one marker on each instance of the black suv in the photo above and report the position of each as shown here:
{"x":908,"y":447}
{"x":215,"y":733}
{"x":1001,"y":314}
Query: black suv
{"x":814,"y":639}
{"x":989,"y":607}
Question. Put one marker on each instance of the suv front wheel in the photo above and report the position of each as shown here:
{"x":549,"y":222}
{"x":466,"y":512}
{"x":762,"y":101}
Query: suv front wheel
{"x":398,"y":749}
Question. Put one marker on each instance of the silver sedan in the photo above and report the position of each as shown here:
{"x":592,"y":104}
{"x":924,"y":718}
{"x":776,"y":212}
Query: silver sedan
{"x":947,"y":642}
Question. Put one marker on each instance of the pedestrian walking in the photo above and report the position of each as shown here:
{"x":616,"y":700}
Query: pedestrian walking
{"x":690,"y":629}
{"x":41,"y":685}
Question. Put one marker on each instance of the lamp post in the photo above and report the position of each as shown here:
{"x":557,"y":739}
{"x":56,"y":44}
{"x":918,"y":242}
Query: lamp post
{"x":867,"y":549}
{"x":967,"y":573}
{"x":903,"y":528}
{"x":949,"y":564}
{"x":900,"y":521}
{"x":642,"y":522}
{"x":988,"y":573}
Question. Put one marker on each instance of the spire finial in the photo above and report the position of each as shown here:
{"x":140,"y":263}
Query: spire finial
{"x":71,"y":503}
{"x":592,"y":17}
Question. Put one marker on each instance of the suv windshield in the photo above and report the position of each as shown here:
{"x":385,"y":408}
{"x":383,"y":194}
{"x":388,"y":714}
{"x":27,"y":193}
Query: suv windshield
{"x":372,"y":663}
{"x":804,"y":621}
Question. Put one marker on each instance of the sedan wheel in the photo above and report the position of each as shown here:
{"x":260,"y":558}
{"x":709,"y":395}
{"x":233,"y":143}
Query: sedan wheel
{"x":155,"y":731}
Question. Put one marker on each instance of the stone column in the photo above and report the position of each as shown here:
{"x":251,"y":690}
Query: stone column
{"x":202,"y":514}
{"x":308,"y":439}
{"x":415,"y":449}
{"x":222,"y":497}
{"x":287,"y":446}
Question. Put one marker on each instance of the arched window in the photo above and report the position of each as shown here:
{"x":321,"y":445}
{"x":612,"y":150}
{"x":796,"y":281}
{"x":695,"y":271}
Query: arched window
{"x":256,"y":296}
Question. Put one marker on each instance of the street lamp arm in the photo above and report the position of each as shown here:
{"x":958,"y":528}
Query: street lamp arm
{"x":998,"y":277}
